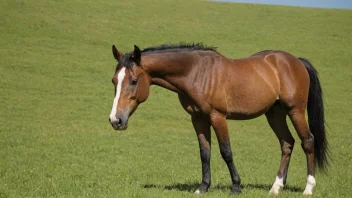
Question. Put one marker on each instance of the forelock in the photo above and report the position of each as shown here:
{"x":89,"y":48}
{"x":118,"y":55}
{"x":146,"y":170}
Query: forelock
{"x":125,"y":62}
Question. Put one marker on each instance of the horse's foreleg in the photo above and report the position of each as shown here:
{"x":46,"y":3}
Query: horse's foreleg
{"x":202,"y":128}
{"x":276,"y":117}
{"x":219,"y":124}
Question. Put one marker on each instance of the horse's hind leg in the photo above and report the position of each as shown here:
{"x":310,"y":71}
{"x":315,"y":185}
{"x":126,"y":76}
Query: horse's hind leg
{"x":297,"y":116}
{"x":202,"y":128}
{"x":276,"y":117}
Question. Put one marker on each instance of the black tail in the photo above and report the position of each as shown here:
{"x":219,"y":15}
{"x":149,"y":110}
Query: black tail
{"x":316,"y":118}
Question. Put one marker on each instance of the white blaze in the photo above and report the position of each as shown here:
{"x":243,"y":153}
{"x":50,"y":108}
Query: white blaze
{"x":120,"y":78}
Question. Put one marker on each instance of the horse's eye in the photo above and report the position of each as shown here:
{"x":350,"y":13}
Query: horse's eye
{"x":134,"y":81}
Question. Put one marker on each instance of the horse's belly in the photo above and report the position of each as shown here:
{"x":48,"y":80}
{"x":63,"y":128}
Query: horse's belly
{"x":250,"y":106}
{"x":246,"y":114}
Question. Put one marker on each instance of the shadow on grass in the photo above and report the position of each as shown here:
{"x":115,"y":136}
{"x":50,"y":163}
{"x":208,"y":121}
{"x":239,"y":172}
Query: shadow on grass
{"x":267,"y":187}
{"x":193,"y":186}
{"x":181,"y":187}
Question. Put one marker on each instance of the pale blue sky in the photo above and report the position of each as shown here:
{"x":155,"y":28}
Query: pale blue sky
{"x":343,"y":4}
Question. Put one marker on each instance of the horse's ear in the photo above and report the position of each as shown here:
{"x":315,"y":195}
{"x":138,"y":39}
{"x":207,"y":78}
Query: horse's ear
{"x":137,"y":54}
{"x":116,"y":53}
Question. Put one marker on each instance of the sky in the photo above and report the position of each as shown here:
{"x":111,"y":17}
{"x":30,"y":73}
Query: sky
{"x":342,"y":4}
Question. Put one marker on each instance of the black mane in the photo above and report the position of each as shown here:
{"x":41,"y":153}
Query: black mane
{"x":127,"y":62}
{"x":178,"y":47}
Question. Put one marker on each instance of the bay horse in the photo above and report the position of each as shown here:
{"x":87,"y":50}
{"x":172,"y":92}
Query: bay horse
{"x":213,"y":88}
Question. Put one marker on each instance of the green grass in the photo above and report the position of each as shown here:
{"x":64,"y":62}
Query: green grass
{"x":56,"y":94}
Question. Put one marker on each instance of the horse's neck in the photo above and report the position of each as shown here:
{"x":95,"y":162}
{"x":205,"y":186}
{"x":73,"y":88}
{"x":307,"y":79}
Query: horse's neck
{"x":169,"y":69}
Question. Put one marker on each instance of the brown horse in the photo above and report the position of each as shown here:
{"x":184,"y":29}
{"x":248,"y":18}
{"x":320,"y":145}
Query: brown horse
{"x":213,"y":88}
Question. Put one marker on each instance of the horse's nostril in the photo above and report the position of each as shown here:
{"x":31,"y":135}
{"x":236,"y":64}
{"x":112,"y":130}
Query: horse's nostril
{"x":119,"y":121}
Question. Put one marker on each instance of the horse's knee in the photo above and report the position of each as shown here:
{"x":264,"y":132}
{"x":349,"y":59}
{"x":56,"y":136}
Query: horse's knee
{"x":308,"y":144}
{"x":287,"y":148}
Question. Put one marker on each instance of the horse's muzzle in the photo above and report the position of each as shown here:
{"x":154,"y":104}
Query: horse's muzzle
{"x":118,"y":123}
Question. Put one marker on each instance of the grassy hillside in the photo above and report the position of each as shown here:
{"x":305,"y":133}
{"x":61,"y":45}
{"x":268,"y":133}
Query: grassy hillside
{"x":56,"y":94}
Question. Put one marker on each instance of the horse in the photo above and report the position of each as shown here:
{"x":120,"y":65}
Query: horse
{"x":213,"y":88}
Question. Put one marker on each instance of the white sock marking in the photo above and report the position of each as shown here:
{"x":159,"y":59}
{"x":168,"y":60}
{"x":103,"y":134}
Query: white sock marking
{"x":279,"y":182}
{"x":120,"y":78}
{"x":310,"y":185}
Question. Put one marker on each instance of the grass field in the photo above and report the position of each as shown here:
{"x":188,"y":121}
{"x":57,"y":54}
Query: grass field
{"x":56,"y":94}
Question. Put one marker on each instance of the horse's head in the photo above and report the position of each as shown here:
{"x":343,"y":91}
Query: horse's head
{"x":131,"y":87}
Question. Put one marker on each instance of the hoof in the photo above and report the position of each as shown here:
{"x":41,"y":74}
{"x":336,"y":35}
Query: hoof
{"x":307,"y":192}
{"x":235,"y":190}
{"x":274,"y":191}
{"x":310,"y":185}
{"x":199,"y":192}
{"x":202,"y":188}
{"x":279,"y":183}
